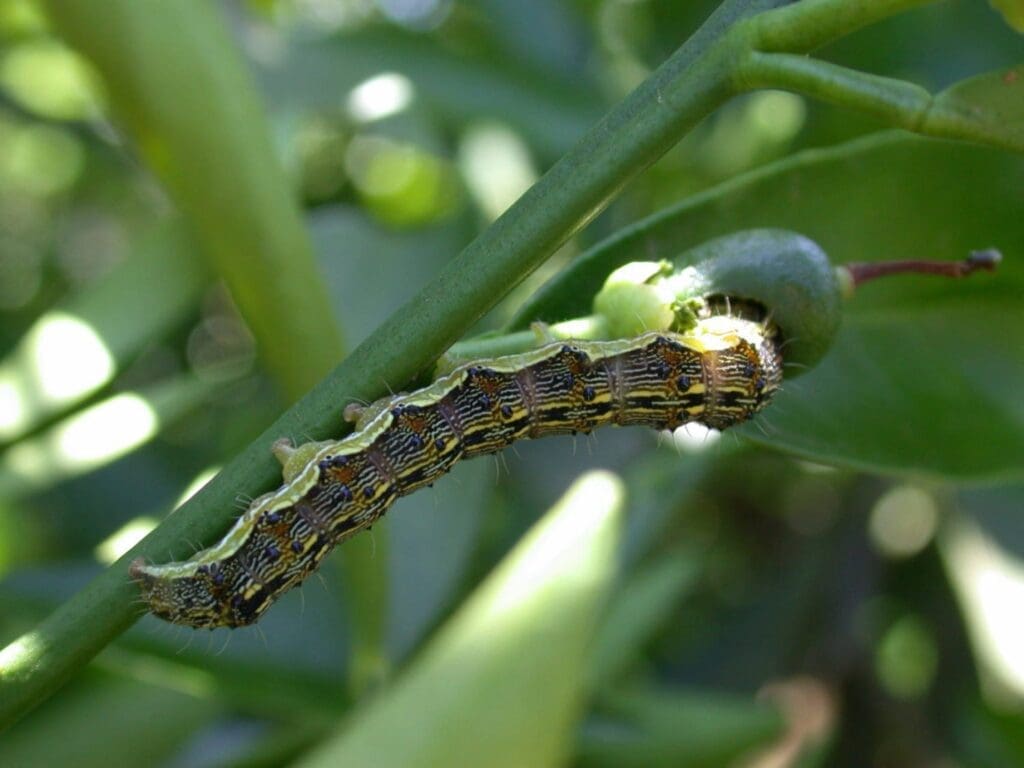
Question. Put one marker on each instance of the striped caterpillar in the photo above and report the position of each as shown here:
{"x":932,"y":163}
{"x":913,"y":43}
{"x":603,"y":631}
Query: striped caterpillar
{"x":721,"y":370}
{"x":719,"y":373}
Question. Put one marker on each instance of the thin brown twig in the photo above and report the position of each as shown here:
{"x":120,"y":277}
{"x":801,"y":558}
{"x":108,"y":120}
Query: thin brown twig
{"x":986,"y":259}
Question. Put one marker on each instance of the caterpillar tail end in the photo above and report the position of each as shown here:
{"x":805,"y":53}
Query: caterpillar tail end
{"x":152,"y":592}
{"x":149,"y":585}
{"x":136,"y":569}
{"x":177,"y":600}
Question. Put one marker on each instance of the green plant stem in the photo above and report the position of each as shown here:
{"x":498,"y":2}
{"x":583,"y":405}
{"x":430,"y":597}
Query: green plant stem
{"x":684,"y":90}
{"x":778,"y":38}
{"x":893,"y":101}
{"x":803,"y":26}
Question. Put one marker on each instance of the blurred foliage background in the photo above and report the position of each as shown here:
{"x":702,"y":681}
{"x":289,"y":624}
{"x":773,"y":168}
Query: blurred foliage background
{"x":765,"y":610}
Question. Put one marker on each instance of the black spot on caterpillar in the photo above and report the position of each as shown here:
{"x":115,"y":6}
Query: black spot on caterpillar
{"x":720,"y":373}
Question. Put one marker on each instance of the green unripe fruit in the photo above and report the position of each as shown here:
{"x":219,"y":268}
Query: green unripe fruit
{"x":786,"y":273}
{"x":633,"y":300}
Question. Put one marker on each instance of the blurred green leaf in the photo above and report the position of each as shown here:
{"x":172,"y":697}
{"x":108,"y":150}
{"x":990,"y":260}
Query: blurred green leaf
{"x":140,"y":725}
{"x":501,"y":684}
{"x":431,"y":541}
{"x":99,"y":434}
{"x":267,"y":686}
{"x":993,"y":102}
{"x":78,"y":346}
{"x":989,"y":738}
{"x":1013,"y":12}
{"x":650,"y":728}
{"x":870,"y":404}
{"x":643,"y":604}
{"x":661,"y":485}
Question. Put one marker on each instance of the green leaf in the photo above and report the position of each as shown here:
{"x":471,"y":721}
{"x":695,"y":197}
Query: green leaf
{"x":1013,"y":12}
{"x":78,"y":346}
{"x":503,"y":682}
{"x":911,"y":347}
{"x":992,"y":103}
{"x":651,"y":728}
{"x":140,"y":725}
{"x":99,"y":434}
{"x":637,"y":611}
{"x":989,"y":737}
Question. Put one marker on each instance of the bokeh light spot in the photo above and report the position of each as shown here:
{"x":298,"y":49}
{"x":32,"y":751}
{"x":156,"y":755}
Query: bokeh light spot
{"x":13,"y":410}
{"x":41,"y":160}
{"x":903,"y":521}
{"x":400,"y":183}
{"x":105,"y":431}
{"x":381,"y":96}
{"x":51,"y":80}
{"x":990,"y":584}
{"x":123,"y":539}
{"x":69,"y":357}
{"x":906,"y":658}
{"x":778,"y":115}
{"x":497,"y":168}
